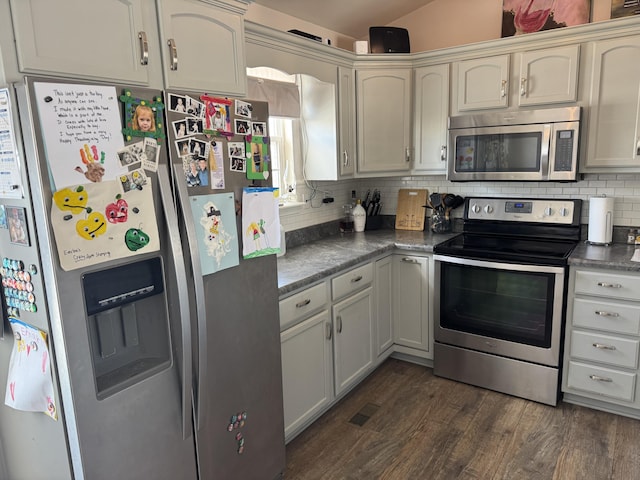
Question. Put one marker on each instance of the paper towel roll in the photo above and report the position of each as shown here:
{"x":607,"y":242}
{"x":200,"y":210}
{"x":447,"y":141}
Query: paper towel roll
{"x":600,"y":220}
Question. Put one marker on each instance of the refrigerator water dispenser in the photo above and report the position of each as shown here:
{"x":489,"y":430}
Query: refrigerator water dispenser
{"x":128,"y":324}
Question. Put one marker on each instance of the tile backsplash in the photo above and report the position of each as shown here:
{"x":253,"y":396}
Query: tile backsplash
{"x":625,"y":188}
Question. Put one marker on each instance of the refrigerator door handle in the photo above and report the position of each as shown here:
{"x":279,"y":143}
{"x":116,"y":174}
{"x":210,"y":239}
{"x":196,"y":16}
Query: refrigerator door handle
{"x":201,"y":312}
{"x":183,"y":297}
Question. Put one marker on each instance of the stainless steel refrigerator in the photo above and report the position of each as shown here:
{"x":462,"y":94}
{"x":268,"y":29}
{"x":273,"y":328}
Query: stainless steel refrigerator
{"x":159,"y":368}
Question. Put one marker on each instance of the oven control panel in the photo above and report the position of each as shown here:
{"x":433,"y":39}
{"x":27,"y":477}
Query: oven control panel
{"x":556,"y":211}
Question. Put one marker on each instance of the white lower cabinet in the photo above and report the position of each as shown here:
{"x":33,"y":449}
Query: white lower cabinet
{"x":327,"y":347}
{"x":307,"y":370}
{"x":353,"y":352}
{"x":411,"y":303}
{"x":602,"y":346}
{"x":383,"y":307}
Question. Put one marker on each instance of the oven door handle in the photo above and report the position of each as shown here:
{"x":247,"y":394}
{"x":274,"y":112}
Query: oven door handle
{"x":499,"y":265}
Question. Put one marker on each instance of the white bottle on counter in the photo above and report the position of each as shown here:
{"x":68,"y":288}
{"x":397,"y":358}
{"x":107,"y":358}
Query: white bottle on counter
{"x":359,"y":217}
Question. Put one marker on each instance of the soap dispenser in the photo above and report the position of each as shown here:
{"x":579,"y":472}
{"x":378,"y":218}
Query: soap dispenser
{"x":359,"y":217}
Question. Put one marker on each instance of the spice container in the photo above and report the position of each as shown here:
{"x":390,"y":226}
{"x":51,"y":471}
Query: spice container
{"x":631,"y":236}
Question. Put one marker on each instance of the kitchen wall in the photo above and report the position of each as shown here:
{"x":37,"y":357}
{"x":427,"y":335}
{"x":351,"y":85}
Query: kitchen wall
{"x":625,"y":188}
{"x":446,"y":23}
{"x":439,"y":24}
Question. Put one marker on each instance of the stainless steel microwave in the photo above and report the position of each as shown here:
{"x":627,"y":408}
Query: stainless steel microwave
{"x":532,"y":145}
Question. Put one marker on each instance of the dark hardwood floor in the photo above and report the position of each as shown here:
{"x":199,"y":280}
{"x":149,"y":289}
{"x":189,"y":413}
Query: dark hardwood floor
{"x":418,"y":426}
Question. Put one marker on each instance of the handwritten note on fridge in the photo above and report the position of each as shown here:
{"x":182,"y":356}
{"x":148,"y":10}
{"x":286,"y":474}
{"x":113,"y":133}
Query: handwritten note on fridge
{"x":81,"y":128}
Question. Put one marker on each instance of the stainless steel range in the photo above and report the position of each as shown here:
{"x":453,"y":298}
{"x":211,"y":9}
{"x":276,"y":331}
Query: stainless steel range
{"x":500,"y":295}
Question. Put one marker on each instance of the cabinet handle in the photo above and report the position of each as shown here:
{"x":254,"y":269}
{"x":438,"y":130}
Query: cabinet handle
{"x":409,"y":260}
{"x":356,"y":279}
{"x":303,"y":303}
{"x":503,"y":89}
{"x":173,"y":52}
{"x":609,"y":285}
{"x":602,"y":346}
{"x":443,"y":153}
{"x":345,"y":156}
{"x":339,"y":326}
{"x":329,"y":330}
{"x":407,"y":153}
{"x":607,"y":314}
{"x":523,"y":87}
{"x":144,"y":48}
{"x":597,"y":378}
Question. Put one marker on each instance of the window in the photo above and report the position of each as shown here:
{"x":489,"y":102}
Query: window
{"x":283,"y":95}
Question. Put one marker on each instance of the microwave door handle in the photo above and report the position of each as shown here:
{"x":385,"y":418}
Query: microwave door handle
{"x":546,"y":150}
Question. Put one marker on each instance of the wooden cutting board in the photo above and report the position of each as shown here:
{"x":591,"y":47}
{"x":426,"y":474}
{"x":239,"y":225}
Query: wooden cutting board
{"x":411,"y":208}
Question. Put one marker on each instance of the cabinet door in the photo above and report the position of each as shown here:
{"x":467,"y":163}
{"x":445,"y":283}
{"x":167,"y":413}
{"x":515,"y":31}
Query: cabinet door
{"x":431,"y":114}
{"x":614,"y":113}
{"x":384,"y":304}
{"x":347,"y":113}
{"x":548,"y":76}
{"x":203,"y":46}
{"x":411,"y":302}
{"x":384,"y":120}
{"x":353,"y":343}
{"x":483,"y":83}
{"x":110,"y":40}
{"x":307,"y":371}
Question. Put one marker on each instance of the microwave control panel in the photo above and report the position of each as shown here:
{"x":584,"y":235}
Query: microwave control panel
{"x":521,"y":210}
{"x":564,"y":151}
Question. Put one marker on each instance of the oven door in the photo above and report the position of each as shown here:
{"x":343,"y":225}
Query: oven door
{"x":504,"y":309}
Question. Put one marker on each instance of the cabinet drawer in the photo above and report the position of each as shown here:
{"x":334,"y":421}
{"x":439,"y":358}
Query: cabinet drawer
{"x":621,"y":352}
{"x":601,"y":381}
{"x":302,"y":304}
{"x":352,"y":281}
{"x":608,"y":285}
{"x":610,"y":316}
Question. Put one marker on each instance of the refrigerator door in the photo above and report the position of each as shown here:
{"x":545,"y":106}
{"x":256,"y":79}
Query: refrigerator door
{"x":239,"y":424}
{"x":25,"y":436}
{"x":120,"y":331}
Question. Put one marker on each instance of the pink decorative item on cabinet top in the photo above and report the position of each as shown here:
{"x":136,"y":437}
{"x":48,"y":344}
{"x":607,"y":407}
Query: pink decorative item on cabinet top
{"x":528,"y":16}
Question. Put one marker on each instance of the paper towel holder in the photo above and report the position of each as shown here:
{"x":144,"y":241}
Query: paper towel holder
{"x":600,"y":230}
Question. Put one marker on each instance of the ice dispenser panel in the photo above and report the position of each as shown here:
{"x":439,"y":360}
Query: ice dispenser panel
{"x":128,"y":324}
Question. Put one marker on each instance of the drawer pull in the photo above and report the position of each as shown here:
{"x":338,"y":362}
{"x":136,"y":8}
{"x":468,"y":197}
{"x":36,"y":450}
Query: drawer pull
{"x":356,"y":279}
{"x":339,"y":326}
{"x":609,"y":285}
{"x":602,"y":346}
{"x":329,"y":330}
{"x":607,"y":314}
{"x":600,"y":379}
{"x":409,"y":260}
{"x":303,"y":303}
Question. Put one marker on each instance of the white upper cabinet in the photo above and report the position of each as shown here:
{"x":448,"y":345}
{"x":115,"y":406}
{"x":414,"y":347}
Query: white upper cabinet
{"x":203,"y":46}
{"x":109,"y":40}
{"x":347,"y":117}
{"x":548,"y":76}
{"x":383,"y":98}
{"x":431,"y":104}
{"x":540,"y":77}
{"x":483,"y":83}
{"x":614,"y":115}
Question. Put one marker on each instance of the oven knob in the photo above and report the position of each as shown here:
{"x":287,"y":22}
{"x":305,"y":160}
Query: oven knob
{"x":475,"y":208}
{"x":488,"y":209}
{"x":564,"y":212}
{"x":548,"y":211}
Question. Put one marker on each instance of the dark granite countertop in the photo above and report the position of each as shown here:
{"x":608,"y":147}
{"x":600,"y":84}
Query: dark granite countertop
{"x":616,"y":257}
{"x":306,"y":264}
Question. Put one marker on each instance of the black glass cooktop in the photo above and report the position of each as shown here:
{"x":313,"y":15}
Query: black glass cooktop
{"x":525,"y":250}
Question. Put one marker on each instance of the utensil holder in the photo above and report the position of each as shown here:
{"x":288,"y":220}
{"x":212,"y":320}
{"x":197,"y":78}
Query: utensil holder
{"x":439,"y":223}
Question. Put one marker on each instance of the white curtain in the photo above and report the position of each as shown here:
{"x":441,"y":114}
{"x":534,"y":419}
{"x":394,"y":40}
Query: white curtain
{"x":283,"y":97}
